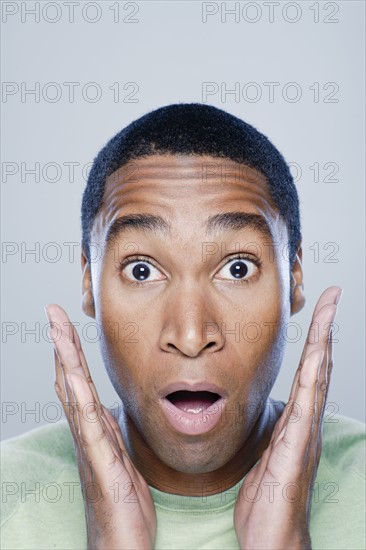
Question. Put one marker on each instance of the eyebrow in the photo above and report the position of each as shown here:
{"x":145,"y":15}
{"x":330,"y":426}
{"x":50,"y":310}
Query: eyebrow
{"x":137,"y":222}
{"x":232,"y":221}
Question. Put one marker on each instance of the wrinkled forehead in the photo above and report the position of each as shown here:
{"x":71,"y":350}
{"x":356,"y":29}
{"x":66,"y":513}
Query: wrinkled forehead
{"x":200,"y":168}
{"x":171,"y":176}
{"x":186,"y":192}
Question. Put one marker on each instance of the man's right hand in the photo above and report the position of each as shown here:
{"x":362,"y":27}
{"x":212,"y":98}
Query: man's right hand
{"x":119,"y":508}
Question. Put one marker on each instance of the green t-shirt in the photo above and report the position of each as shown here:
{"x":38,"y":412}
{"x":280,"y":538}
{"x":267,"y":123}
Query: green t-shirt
{"x":42,"y":505}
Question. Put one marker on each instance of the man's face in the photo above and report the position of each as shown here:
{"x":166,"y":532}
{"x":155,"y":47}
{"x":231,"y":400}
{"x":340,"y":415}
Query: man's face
{"x":205,"y":300}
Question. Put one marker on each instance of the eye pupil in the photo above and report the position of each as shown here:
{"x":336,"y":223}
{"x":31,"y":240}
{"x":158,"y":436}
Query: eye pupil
{"x":238,"y":270}
{"x":141,"y":271}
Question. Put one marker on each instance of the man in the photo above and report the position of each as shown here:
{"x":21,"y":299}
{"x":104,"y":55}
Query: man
{"x":194,"y":219}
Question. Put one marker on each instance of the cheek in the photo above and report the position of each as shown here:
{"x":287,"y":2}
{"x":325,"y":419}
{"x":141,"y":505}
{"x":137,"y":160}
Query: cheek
{"x":258,"y":344}
{"x":271,"y":350}
{"x":126,"y":341}
{"x":259,"y":314}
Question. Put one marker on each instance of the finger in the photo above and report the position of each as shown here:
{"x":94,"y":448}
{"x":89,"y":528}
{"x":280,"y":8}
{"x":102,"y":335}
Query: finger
{"x":295,"y":439}
{"x":114,"y":434}
{"x":289,"y":411}
{"x":111,"y":432}
{"x":259,"y":468}
{"x":67,"y":400}
{"x":62,"y":387}
{"x":328,"y":371}
{"x":134,"y":473}
{"x":294,"y":407}
{"x":60,"y":384}
{"x":63,"y":392}
{"x":278,"y":431}
{"x":322,"y":390}
{"x":317,"y":342}
{"x":115,"y":428}
{"x":323,"y":384}
{"x":84,"y":363}
{"x":68,"y":346}
{"x":92,"y":433}
{"x":318,"y":445}
{"x":331,"y":295}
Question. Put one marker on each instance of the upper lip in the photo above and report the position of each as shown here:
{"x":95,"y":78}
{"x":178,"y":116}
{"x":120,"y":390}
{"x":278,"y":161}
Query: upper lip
{"x":191,"y":386}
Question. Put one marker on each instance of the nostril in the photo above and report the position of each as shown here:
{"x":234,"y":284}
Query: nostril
{"x":210,"y":344}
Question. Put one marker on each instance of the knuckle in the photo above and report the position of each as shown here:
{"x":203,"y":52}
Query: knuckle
{"x":113,"y":462}
{"x":70,"y":359}
{"x":323,"y":387}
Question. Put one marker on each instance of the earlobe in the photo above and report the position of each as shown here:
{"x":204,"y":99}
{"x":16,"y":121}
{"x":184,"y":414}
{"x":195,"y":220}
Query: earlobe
{"x":297,"y":285}
{"x":87,"y":300}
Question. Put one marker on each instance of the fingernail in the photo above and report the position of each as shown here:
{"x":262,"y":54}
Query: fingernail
{"x":338,"y":297}
{"x":46,"y":312}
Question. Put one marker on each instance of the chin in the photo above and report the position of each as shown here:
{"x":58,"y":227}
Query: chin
{"x":198,"y":457}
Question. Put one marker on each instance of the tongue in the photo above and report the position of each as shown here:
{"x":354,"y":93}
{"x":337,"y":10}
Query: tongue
{"x":192,"y":401}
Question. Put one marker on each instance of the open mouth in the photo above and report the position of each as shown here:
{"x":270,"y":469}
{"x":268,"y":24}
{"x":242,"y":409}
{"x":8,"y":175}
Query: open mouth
{"x":193,"y":409}
{"x":193,"y":401}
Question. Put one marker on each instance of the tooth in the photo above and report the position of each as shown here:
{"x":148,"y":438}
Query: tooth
{"x":194,"y":410}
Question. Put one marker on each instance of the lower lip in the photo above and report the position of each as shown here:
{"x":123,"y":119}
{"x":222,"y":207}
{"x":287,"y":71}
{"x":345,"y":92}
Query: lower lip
{"x":193,"y":423}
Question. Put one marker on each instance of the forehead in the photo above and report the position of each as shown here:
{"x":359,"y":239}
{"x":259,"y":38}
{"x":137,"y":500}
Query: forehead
{"x":185,"y":190}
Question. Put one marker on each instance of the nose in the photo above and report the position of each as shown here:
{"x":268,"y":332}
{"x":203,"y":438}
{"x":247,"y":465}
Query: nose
{"x":191,"y":322}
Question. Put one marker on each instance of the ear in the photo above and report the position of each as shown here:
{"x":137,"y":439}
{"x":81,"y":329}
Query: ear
{"x":87,"y":301}
{"x":297,"y":286}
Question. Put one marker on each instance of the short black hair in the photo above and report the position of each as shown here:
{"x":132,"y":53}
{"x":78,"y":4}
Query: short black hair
{"x":194,"y":129}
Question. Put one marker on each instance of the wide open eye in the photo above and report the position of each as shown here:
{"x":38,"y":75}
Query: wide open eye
{"x":141,"y":271}
{"x":238,"y":269}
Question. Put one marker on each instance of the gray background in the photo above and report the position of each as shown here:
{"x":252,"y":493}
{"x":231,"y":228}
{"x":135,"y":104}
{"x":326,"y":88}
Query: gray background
{"x":169,"y":52}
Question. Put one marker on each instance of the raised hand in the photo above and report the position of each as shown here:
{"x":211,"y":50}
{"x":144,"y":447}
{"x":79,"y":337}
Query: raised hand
{"x":119,"y":509}
{"x":273,"y":505}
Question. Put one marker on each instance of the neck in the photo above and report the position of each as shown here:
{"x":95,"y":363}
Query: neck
{"x":162,"y":477}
